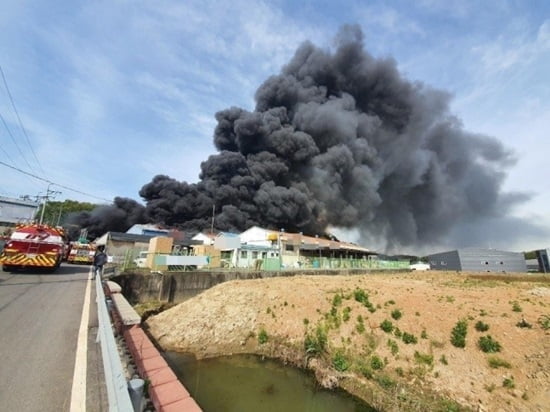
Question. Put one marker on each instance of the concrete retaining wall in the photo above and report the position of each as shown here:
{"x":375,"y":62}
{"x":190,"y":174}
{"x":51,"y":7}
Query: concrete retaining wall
{"x":176,"y":287}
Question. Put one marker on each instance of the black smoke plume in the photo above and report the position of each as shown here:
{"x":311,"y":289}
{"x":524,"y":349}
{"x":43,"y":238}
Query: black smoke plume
{"x":118,"y":217}
{"x":342,"y":139}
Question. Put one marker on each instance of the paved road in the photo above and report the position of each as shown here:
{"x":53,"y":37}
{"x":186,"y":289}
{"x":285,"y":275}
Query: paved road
{"x":40,"y":316}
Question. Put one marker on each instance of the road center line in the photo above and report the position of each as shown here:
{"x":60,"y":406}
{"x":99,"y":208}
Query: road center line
{"x":78,"y":392}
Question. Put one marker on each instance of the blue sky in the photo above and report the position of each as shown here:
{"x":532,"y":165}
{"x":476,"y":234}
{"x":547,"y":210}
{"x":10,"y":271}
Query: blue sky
{"x":111,"y":93}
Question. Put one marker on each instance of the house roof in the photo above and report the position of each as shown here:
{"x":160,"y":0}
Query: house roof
{"x":313,"y":243}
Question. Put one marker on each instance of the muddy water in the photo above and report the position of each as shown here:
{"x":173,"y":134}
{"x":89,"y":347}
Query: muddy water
{"x":250,"y":384}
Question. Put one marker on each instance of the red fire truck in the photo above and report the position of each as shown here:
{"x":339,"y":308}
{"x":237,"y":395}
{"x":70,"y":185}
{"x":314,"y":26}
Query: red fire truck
{"x":81,"y":252}
{"x":34,"y":245}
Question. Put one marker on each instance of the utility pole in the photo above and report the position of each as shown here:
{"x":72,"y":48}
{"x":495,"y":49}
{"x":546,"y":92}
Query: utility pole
{"x":46,"y":197}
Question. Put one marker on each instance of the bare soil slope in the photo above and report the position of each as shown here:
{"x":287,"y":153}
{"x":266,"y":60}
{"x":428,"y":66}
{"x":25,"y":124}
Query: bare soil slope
{"x":273,"y":317}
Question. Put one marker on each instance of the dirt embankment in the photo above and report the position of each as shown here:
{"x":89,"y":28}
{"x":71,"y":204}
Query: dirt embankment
{"x":332,"y":324}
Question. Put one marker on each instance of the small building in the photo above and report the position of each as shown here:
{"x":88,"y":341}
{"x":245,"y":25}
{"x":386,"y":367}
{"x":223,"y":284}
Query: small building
{"x":206,"y":238}
{"x":478,"y":260}
{"x":295,"y":250}
{"x":123,"y":246}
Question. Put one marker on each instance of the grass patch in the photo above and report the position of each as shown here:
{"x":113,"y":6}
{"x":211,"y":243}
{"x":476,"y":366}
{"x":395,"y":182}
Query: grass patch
{"x":509,"y":382}
{"x":346,"y":313}
{"x":544,"y":322}
{"x":360,"y":326}
{"x":516,"y":307}
{"x":495,"y":362}
{"x":423,"y":358}
{"x":393,"y":347}
{"x":385,"y":381}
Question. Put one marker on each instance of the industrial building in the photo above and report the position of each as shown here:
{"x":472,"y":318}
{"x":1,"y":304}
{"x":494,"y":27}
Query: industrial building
{"x":14,"y":211}
{"x":478,"y":260}
{"x":543,"y":260}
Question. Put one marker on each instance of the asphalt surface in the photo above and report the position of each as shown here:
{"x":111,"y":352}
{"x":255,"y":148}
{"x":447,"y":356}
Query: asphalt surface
{"x":40,"y":315}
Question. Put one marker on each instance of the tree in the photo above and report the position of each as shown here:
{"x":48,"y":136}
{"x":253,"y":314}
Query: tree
{"x":56,"y":212}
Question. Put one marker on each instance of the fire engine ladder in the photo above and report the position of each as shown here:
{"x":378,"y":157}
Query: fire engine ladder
{"x":33,"y":248}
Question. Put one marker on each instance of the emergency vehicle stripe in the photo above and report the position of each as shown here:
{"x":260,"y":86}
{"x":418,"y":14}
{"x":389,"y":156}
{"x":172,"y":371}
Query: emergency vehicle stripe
{"x":24,"y":260}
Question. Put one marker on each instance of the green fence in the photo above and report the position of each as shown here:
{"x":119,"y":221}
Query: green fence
{"x":130,"y":260}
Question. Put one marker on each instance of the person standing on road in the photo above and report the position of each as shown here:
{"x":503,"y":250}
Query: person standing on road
{"x":100,"y":258}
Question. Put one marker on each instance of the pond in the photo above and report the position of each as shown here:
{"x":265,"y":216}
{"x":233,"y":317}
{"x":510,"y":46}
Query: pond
{"x":247,"y":383}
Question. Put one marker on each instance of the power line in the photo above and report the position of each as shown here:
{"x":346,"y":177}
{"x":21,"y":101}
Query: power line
{"x":19,"y":119}
{"x":53,"y":183}
{"x":7,"y":154}
{"x":15,"y":142}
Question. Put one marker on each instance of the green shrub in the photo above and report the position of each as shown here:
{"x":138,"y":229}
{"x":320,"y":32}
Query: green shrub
{"x":409,"y":338}
{"x":496,"y":362}
{"x":376,"y":363}
{"x":262,"y":336}
{"x":365,"y":370}
{"x":337,"y":300}
{"x":458,"y":334}
{"x":316,"y":344}
{"x":481,"y":326}
{"x":360,"y":327}
{"x":385,"y":381}
{"x":345,"y":314}
{"x":488,"y":345}
{"x":509,"y":382}
{"x":516,"y":307}
{"x":397,"y":332}
{"x":340,"y":361}
{"x":423,"y":358}
{"x":360,"y":295}
{"x":396,"y":314}
{"x":386,"y":326}
{"x":424,"y":334}
{"x":544,"y":322}
{"x":393,"y":347}
{"x":443,"y":360}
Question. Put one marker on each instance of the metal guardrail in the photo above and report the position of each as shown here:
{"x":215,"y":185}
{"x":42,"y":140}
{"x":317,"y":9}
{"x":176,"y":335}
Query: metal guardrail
{"x":115,"y":379}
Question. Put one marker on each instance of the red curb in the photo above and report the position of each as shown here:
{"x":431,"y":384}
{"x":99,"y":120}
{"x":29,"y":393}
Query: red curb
{"x":148,"y":365}
{"x":161,"y":376}
{"x":167,"y":393}
{"x":187,"y":405}
{"x":147,"y":353}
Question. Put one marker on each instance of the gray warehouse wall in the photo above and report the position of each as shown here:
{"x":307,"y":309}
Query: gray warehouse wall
{"x":491,"y":260}
{"x":478,"y":260}
{"x":445,"y":261}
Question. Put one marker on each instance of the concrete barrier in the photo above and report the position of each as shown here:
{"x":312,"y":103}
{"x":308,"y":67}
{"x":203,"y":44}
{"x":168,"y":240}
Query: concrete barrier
{"x":176,"y":287}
